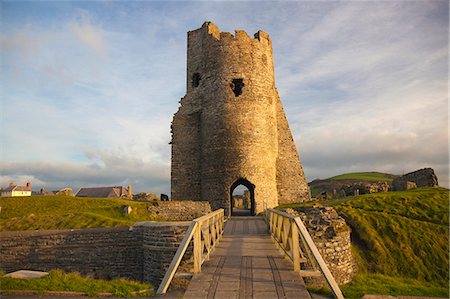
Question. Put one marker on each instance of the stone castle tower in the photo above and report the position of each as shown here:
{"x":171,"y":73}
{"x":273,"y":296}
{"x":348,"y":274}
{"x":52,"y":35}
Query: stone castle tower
{"x":231,"y":129}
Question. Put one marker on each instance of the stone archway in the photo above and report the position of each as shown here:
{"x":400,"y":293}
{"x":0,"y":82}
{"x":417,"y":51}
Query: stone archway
{"x":251,"y":188}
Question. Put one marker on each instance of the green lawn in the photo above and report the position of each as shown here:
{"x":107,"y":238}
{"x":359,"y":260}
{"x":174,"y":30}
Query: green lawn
{"x":400,"y":240}
{"x":374,"y":284}
{"x":63,"y":212}
{"x":368,"y":176}
{"x":57,"y":280}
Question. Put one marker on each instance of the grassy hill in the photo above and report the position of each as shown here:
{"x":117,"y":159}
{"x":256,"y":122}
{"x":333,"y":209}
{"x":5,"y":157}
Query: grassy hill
{"x":365,"y":176}
{"x":337,"y":182}
{"x":400,"y":240}
{"x":63,"y":212}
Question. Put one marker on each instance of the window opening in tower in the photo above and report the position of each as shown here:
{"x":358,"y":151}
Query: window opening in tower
{"x":237,"y":85}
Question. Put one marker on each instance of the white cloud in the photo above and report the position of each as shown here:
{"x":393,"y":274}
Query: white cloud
{"x":89,"y":34}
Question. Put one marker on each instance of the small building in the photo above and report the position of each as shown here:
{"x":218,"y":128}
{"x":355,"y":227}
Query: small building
{"x":15,"y":190}
{"x":61,"y":192}
{"x":106,"y":192}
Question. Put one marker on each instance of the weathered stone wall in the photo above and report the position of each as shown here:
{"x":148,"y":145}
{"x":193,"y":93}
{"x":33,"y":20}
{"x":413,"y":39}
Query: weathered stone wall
{"x":364,"y":188}
{"x":185,"y":210}
{"x":141,"y":252}
{"x":331,"y":235}
{"x":402,"y":185}
{"x":102,"y":252}
{"x":422,"y":178}
{"x":160,"y":242}
{"x":222,"y":134}
{"x":291,"y":182}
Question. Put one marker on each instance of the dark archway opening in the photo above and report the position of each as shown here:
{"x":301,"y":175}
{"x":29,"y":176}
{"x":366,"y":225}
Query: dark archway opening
{"x":242,"y":198}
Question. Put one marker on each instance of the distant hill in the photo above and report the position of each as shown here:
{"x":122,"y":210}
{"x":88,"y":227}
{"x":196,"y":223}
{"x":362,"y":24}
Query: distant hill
{"x":365,"y":176}
{"x":400,"y":241}
{"x":338,"y":182}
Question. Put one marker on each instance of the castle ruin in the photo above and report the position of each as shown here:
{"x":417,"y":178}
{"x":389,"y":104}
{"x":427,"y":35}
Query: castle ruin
{"x":231,"y":128}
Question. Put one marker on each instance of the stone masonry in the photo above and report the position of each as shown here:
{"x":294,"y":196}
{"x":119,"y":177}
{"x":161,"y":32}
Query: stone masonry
{"x":231,"y":128}
{"x":331,"y":234}
{"x":420,"y":178}
{"x":185,"y":210}
{"x":141,"y":252}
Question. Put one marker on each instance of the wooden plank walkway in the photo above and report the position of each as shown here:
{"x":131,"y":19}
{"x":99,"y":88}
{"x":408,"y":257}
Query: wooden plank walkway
{"x":246,"y":264}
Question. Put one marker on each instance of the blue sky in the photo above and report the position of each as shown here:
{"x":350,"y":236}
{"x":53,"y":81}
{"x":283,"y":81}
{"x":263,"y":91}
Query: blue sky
{"x":88,"y":89}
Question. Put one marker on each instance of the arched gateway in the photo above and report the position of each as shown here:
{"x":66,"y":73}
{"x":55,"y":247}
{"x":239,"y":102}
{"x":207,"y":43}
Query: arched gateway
{"x":249,"y":207}
{"x":231,"y":124}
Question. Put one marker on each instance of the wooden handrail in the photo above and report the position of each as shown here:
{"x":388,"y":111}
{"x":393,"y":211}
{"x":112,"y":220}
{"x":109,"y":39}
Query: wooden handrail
{"x":206,"y":232}
{"x":285,"y":229}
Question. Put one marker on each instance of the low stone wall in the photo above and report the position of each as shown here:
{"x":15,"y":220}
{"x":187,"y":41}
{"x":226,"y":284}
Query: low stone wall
{"x":180,"y":210}
{"x":331,"y":235}
{"x":160,"y":243}
{"x":141,"y":252}
{"x":364,"y":188}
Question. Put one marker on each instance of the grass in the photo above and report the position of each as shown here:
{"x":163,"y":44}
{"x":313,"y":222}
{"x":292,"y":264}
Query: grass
{"x":63,"y":212}
{"x":368,"y":176}
{"x":364,"y":284}
{"x":57,"y":280}
{"x":400,"y":241}
{"x":315,"y":191}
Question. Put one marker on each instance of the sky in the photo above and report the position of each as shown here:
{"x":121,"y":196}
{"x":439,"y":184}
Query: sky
{"x":88,"y":88}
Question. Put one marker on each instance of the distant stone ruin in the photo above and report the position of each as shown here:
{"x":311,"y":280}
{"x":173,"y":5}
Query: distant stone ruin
{"x":364,"y":188}
{"x":231,"y":128}
{"x":420,"y":178}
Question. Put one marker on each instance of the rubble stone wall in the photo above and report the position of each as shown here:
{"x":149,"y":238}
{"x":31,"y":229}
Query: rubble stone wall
{"x":180,"y":210}
{"x":141,"y":252}
{"x":365,"y":188}
{"x":331,"y":235}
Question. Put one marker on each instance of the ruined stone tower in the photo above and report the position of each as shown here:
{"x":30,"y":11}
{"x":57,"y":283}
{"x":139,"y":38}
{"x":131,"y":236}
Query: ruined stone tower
{"x":231,"y":128}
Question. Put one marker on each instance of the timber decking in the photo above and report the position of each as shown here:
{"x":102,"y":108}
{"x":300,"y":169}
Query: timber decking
{"x":246,"y":264}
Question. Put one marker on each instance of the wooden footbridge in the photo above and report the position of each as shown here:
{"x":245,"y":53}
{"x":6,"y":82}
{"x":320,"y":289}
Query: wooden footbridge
{"x":249,"y":257}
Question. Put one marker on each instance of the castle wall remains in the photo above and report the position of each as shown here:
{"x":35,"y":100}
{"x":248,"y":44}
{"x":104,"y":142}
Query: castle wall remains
{"x":420,"y":178}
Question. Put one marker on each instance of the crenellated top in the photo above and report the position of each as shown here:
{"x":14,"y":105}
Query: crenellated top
{"x":216,"y":56}
{"x":212,"y":30}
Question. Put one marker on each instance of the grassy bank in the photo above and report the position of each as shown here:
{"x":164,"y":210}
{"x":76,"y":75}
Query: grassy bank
{"x":364,"y":284}
{"x":73,"y":282}
{"x":63,"y":212}
{"x":400,"y":240}
{"x":365,"y":176}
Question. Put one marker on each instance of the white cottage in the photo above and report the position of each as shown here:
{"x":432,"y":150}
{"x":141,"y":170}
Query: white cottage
{"x":14,"y":190}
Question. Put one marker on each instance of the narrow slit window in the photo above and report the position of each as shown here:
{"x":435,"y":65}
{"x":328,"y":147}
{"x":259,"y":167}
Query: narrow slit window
{"x":196,"y":79}
{"x":237,"y":85}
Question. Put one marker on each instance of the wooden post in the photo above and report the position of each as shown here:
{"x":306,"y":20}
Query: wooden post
{"x":285,"y":236}
{"x":198,"y":249}
{"x":295,"y":247}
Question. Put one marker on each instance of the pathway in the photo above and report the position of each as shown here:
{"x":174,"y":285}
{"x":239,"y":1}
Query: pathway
{"x":246,"y":264}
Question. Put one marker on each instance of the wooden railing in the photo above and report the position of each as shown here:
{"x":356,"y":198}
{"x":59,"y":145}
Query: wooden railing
{"x":206,"y":232}
{"x":291,"y":235}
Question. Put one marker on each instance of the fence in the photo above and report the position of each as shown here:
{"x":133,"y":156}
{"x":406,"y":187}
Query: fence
{"x":206,"y":232}
{"x":291,"y":235}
